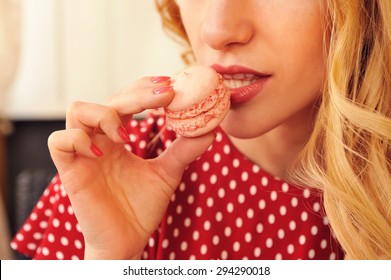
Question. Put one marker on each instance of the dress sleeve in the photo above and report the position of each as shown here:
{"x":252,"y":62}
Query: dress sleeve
{"x":52,"y":231}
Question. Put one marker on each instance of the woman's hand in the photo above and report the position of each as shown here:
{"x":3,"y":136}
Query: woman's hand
{"x":119,"y":198}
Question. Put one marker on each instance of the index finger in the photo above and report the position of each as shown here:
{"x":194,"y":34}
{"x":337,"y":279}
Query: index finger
{"x":141,"y":95}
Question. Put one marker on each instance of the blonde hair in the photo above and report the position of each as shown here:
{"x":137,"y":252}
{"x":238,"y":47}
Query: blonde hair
{"x":348,"y":155}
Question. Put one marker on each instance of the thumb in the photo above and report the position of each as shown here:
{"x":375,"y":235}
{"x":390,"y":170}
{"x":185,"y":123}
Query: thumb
{"x":174,"y":160}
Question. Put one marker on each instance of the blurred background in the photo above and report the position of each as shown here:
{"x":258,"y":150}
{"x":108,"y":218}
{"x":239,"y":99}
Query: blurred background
{"x":51,"y":54}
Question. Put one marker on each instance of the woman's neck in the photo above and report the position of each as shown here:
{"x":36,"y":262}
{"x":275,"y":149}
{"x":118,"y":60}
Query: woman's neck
{"x":277,"y":149}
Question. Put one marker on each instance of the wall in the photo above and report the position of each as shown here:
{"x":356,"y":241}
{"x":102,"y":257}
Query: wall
{"x":85,"y":50}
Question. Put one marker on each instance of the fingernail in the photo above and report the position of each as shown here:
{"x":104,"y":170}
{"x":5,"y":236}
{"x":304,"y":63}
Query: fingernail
{"x":96,"y":150}
{"x":160,"y":79}
{"x":161,"y":90}
{"x":124,"y":135}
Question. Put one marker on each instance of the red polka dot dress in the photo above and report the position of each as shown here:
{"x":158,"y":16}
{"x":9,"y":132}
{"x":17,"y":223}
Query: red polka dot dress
{"x":226,"y":207}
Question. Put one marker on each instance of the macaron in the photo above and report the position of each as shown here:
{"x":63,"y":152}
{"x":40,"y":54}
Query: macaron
{"x":200,"y":103}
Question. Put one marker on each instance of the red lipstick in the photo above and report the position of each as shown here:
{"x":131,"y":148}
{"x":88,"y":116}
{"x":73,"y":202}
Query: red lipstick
{"x":244,"y":83}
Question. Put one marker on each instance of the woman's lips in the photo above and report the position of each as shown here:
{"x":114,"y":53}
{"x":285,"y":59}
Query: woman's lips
{"x":244,"y":83}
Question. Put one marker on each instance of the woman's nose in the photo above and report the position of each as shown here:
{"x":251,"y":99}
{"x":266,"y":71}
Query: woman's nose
{"x":226,"y":23}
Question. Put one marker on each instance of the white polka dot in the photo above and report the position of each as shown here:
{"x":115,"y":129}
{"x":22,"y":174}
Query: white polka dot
{"x":52,"y":199}
{"x":311,"y":253}
{"x":241,"y":198}
{"x":216,"y":240}
{"x":256,"y":168}
{"x":75,"y":258}
{"x":51,"y":237}
{"x":190,"y":199}
{"x":316,"y":207}
{"x":187,"y":222}
{"x":253,"y":190}
{"x":204,"y":249}
{"x":33,"y":216}
{"x":78,"y":227}
{"x":262,"y":204}
{"x":225,"y":171}
{"x":179,"y":209}
{"x":26,"y":227}
{"x":209,"y":202}
{"x":224,"y":255}
{"x":244,"y":176}
{"x":45,"y":251}
{"x":219,"y":216}
{"x":68,"y":226}
{"x":202,"y":188}
{"x":184,"y":246}
{"x":259,"y":228}
{"x":235,"y":163}
{"x":14,"y":246}
{"x":205,"y":166}
{"x":302,"y":239}
{"x":19,"y":237}
{"x":285,"y":187}
{"x":37,"y":235}
{"x":64,"y":241}
{"x":221,"y":193}
{"x":217,"y":158}
{"x":196,"y":235}
{"x":248,"y":237}
{"x":282,"y":210}
{"x":239,"y":222}
{"x":198,"y":212}
{"x":306,"y":193}
{"x":171,"y":256}
{"x":273,"y":195}
{"x":332,"y":256}
{"x":40,"y":204}
{"x":194,"y":176}
{"x":31,"y":246}
{"x":250,"y":213}
{"x":278,"y":256}
{"x":168,"y":143}
{"x":271,"y":219}
{"x":230,"y":207}
{"x":257,"y":252}
{"x":226,"y":149}
{"x":43,"y":224}
{"x":142,"y":144}
{"x":160,"y":121}
{"x":281,"y":233}
{"x":128,"y":147}
{"x":264,"y":181}
{"x":325,"y":221}
{"x":56,"y":222}
{"x":175,"y":232}
{"x":207,"y":225}
{"x":219,"y":137}
{"x":290,"y":248}
{"x":70,"y":210}
{"x":269,"y":242}
{"x":304,"y":216}
{"x":292,"y":225}
{"x":314,"y":230}
{"x":165,"y":243}
{"x":59,"y":255}
{"x":323,"y":244}
{"x":48,"y":212}
{"x":170,"y":219}
{"x":294,"y":202}
{"x":61,"y":208}
{"x":232,"y":184}
{"x":227,"y":231}
{"x":236,"y":246}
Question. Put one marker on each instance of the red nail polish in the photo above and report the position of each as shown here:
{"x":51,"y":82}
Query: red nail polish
{"x":161,"y":90}
{"x":124,"y":135}
{"x":96,"y":150}
{"x":160,"y":79}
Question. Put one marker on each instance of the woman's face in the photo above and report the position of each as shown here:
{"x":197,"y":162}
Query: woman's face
{"x":271,"y":54}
